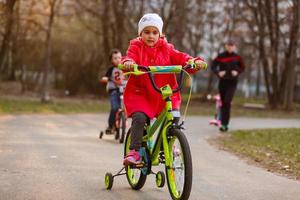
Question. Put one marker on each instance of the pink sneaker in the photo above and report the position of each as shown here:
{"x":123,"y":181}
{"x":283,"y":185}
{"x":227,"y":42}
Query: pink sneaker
{"x":132,"y":158}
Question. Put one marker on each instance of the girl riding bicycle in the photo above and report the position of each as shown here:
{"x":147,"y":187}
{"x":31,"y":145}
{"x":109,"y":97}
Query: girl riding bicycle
{"x":141,"y":101}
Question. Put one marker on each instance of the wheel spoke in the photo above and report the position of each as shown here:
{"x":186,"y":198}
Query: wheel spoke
{"x":178,"y":165}
{"x":179,"y":173}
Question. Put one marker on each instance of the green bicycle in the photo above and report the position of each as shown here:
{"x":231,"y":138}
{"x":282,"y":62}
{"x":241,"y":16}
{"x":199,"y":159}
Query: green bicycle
{"x":170,"y":146}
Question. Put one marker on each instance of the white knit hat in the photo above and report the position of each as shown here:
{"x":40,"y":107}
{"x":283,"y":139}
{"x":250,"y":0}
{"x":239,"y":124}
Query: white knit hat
{"x":150,"y":19}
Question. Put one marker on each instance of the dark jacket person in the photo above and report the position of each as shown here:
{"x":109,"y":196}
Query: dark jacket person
{"x":228,"y":65}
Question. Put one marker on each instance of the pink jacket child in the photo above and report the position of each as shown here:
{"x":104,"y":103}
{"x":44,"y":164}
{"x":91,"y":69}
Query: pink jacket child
{"x":140,"y":95}
{"x":141,"y":101}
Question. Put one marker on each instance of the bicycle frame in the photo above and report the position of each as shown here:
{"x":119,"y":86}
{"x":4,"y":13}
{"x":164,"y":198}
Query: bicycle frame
{"x":164,"y":121}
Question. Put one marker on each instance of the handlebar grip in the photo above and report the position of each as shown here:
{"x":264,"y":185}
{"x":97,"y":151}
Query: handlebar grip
{"x":192,"y":65}
{"x":204,"y":66}
{"x":136,"y":68}
{"x":120,"y":66}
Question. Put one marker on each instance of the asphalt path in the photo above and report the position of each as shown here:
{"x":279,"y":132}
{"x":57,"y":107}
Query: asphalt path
{"x":60,"y":157}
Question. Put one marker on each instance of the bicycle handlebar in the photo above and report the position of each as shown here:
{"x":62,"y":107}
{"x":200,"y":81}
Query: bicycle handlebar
{"x":150,"y":70}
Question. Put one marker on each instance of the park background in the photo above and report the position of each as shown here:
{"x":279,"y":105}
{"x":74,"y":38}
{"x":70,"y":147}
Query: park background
{"x":58,"y":48}
{"x":53,"y":53}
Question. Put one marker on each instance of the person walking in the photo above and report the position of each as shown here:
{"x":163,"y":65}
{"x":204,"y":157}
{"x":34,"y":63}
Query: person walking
{"x":228,"y":65}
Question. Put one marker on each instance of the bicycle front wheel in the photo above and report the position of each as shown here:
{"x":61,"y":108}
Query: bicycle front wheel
{"x":135,"y":177}
{"x":180,"y":174}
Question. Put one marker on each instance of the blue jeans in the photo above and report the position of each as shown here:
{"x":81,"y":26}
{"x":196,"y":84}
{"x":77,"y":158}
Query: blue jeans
{"x":115,"y":104}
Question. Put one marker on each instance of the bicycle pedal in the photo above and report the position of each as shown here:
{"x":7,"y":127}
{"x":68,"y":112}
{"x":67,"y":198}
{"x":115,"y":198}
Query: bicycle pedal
{"x":139,"y":165}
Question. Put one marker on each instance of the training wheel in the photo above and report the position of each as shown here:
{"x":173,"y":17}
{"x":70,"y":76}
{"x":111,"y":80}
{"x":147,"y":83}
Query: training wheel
{"x":160,"y":179}
{"x":109,"y":180}
{"x":101,"y":134}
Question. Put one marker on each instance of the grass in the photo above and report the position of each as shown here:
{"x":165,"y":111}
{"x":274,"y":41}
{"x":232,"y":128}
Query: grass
{"x":29,"y":106}
{"x":237,"y":110}
{"x":200,"y":107}
{"x":25,"y":105}
{"x":278,"y":150}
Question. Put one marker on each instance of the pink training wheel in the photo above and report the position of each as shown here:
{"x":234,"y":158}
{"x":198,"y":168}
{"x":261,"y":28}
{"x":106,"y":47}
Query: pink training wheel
{"x":215,"y":122}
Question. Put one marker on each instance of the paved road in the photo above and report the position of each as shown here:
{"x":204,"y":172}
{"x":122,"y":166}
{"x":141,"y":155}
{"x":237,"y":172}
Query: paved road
{"x":60,"y":157}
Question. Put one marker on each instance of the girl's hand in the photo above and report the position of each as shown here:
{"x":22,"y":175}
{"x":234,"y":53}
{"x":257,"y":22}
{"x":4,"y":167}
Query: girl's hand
{"x":200,"y":64}
{"x":128,"y":66}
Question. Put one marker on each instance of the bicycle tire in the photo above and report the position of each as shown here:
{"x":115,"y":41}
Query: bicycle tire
{"x":117,"y":125}
{"x":100,"y":134}
{"x":184,"y":192}
{"x":138,"y":182}
{"x":122,"y":127}
{"x":117,"y":134}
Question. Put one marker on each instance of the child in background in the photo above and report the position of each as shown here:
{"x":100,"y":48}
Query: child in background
{"x":217,"y":120}
{"x":142,"y":102}
{"x":113,"y":79}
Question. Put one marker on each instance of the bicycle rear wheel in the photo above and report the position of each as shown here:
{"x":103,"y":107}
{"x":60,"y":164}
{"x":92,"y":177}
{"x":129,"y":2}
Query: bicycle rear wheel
{"x":179,"y":176}
{"x":117,"y":125}
{"x":122,"y":127}
{"x":135,"y":177}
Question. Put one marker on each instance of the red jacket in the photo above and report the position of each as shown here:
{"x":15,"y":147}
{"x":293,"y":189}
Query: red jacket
{"x":139,"y":95}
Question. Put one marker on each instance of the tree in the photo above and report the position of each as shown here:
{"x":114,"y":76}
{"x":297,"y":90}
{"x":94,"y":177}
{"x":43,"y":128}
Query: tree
{"x":52,"y":9}
{"x":6,"y":45}
{"x":288,"y":83}
{"x":277,"y":54}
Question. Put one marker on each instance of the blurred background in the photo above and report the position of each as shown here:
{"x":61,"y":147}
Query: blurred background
{"x":59,"y":48}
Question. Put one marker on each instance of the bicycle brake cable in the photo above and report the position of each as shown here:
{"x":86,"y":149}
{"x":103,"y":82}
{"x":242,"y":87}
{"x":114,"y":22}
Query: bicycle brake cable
{"x":189,"y":97}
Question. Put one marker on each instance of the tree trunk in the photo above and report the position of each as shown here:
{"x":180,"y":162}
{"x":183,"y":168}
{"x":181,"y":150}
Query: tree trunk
{"x":180,"y":17}
{"x":23,"y":78}
{"x":10,"y":67}
{"x":105,"y":28}
{"x":45,"y":83}
{"x":9,"y":6}
{"x":259,"y":18}
{"x":258,"y":81}
{"x":119,"y":22}
{"x":291,"y":58}
{"x":290,"y":87}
